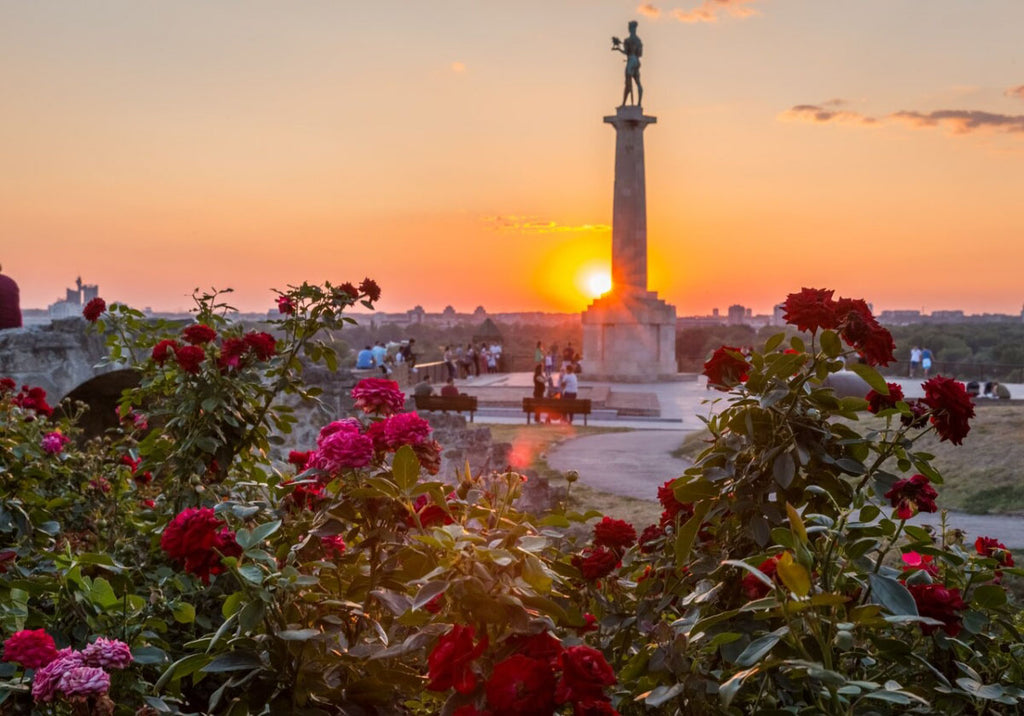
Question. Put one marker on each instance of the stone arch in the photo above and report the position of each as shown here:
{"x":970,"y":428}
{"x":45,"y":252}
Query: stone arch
{"x":100,"y":394}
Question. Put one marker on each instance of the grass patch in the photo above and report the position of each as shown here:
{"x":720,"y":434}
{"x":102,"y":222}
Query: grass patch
{"x":530,"y":447}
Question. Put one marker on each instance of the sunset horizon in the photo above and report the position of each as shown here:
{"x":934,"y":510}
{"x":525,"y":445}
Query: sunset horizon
{"x":457,"y":155}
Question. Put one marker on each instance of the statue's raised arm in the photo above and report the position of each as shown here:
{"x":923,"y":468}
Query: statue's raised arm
{"x":633,"y":49}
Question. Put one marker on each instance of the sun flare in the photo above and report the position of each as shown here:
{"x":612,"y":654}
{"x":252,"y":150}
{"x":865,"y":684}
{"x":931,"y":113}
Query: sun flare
{"x":598,"y":283}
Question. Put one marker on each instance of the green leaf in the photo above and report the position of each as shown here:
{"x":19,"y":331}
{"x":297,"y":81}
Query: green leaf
{"x":184,"y":613}
{"x":427,"y":592}
{"x":251,"y":573}
{"x":830,"y":343}
{"x":297,"y":634}
{"x":694,"y":490}
{"x":774,"y":342}
{"x":759,"y":648}
{"x":405,"y":468}
{"x":182,"y":668}
{"x":688,"y":533}
{"x":871,"y":376}
{"x":892,"y":595}
{"x":102,"y":594}
{"x":233,"y":661}
{"x":149,"y":655}
{"x":784,"y":469}
{"x":727,"y":691}
{"x":248,"y":538}
{"x":989,"y":596}
{"x":663,"y":694}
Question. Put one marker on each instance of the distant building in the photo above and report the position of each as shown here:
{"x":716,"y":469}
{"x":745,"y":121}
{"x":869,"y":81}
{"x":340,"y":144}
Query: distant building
{"x":737,"y":315}
{"x":74,"y":300}
{"x":900,"y":317}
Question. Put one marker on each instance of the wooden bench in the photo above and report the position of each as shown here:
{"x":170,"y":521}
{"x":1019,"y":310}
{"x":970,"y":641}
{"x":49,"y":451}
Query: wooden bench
{"x":444,"y":403}
{"x":556,"y":406}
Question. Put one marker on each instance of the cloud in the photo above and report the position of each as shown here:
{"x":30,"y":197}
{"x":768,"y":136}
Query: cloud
{"x":825,"y":113}
{"x":1017,"y":92}
{"x":962,"y":121}
{"x":535,"y":225}
{"x":648,"y":10}
{"x":712,"y":10}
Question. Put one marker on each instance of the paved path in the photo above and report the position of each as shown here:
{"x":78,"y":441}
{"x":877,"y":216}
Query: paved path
{"x":636,"y":463}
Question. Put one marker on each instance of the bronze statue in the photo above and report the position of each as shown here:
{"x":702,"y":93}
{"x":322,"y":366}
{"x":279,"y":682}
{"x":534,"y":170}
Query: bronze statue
{"x":633,"y":49}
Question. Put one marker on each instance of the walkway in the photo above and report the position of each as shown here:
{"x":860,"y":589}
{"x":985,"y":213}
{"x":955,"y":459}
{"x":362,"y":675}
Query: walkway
{"x":636,"y":463}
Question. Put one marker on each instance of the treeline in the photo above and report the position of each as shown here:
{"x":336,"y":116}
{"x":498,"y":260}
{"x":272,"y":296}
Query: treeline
{"x":970,"y":351}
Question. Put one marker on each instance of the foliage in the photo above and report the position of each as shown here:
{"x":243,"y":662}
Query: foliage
{"x":779,"y":579}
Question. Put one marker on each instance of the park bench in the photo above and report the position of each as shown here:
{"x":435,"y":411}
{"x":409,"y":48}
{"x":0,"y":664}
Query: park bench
{"x":556,"y":406}
{"x":444,"y":403}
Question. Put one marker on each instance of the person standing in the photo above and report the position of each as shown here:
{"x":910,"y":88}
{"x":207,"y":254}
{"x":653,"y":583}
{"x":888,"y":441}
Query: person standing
{"x":540,"y":385}
{"x":926,"y":361}
{"x":449,"y":362}
{"x":538,"y":353}
{"x":10,"y":302}
{"x":570,"y":386}
{"x":915,"y":360}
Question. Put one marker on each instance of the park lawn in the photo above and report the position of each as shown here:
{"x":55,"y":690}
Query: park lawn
{"x":984,"y":475}
{"x":530,"y":446}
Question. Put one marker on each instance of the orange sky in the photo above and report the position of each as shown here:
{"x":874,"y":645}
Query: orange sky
{"x":455,"y":152}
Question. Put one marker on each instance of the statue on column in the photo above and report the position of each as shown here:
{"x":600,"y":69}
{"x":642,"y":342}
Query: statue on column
{"x":633,"y":49}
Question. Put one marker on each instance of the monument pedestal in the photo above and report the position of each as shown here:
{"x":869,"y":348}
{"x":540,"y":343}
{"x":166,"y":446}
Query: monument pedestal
{"x":629,"y":337}
{"x":629,"y":334}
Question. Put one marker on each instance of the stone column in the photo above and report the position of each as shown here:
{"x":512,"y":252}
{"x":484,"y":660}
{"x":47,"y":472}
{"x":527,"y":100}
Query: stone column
{"x":629,"y":210}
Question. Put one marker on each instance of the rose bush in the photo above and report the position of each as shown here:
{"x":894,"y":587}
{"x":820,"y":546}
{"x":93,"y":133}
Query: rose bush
{"x":174,"y":566}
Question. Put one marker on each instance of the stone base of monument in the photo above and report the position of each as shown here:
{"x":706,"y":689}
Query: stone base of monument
{"x":630,"y":337}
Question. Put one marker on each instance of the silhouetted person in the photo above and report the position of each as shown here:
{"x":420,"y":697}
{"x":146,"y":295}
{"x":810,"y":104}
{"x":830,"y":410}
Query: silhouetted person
{"x":10,"y":302}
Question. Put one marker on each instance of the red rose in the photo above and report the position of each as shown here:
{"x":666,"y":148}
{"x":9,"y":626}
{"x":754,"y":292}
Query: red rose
{"x":593,"y":708}
{"x":428,"y":452}
{"x":726,"y":368}
{"x":304,"y":496}
{"x":343,"y":450}
{"x":470,"y":710}
{"x":32,"y":648}
{"x":33,"y":399}
{"x":951,"y":408}
{"x":197,"y":539}
{"x":429,"y":514}
{"x":285,"y":305}
{"x":163,"y":350}
{"x":349,"y":291}
{"x":673,"y":507}
{"x":937,"y":601}
{"x":918,"y":414}
{"x":405,"y":429}
{"x":878,"y":402}
{"x":811,"y":309}
{"x":7,"y":385}
{"x":198,"y":334}
{"x":615,"y":534}
{"x":912,"y":496}
{"x":753,"y":587}
{"x":595,"y":563}
{"x":189,"y":358}
{"x":543,"y":647}
{"x":94,"y":309}
{"x":451,"y":662}
{"x":299,"y":458}
{"x":651,"y":534}
{"x":370,"y":288}
{"x":379,"y":396}
{"x":585,"y":674}
{"x":232,"y":351}
{"x":994,"y":549}
{"x":263,"y":345}
{"x":7,"y":557}
{"x":860,"y":330}
{"x":334,"y":546}
{"x":520,"y":685}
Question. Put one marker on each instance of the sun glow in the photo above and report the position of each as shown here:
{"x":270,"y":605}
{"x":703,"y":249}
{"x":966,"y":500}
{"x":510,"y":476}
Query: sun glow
{"x":598,"y":283}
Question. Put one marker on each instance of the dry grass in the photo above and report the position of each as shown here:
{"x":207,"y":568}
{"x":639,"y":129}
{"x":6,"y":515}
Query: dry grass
{"x":530,"y":447}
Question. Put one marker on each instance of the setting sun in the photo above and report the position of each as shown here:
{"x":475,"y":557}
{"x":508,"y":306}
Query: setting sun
{"x":598,"y":283}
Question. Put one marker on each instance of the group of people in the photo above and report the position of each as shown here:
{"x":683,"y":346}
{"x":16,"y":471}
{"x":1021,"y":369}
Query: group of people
{"x":552,"y":360}
{"x":383,"y":356}
{"x":424,"y":388}
{"x":472,"y":360}
{"x":920,"y":362}
{"x":545,"y":385}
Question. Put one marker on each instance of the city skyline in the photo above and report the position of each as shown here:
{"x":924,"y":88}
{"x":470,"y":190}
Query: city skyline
{"x":456,"y":154}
